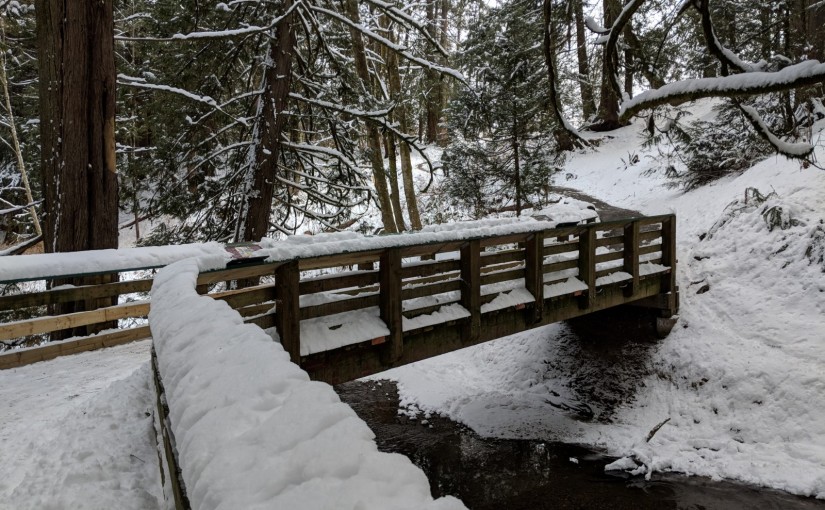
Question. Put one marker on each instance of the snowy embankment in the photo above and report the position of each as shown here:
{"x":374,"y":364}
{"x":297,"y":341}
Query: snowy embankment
{"x":252,"y":430}
{"x":741,"y":378}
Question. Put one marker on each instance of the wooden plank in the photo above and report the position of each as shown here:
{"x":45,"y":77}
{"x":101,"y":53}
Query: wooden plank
{"x":344,"y":305}
{"x":288,"y":310}
{"x":561,"y":266}
{"x":431,"y":289}
{"x":502,"y":276}
{"x":262,"y":321}
{"x":238,"y":273}
{"x":21,"y":357}
{"x":340,"y":259}
{"x":650,"y":235}
{"x":607,"y":257}
{"x":328,"y":283}
{"x":649,"y":248}
{"x":555,"y":249}
{"x":609,"y":241}
{"x":534,"y":274}
{"x":424,"y":310}
{"x":508,"y":239}
{"x":587,"y":267}
{"x":390,"y":303}
{"x":253,"y":310}
{"x":500,"y":257}
{"x":631,"y":257}
{"x":605,"y":272}
{"x":471,"y":289}
{"x":430,"y":268}
{"x":239,"y":298}
{"x":170,"y":453}
{"x":424,"y":250}
{"x":55,"y":296}
{"x":651,"y":220}
{"x":48,"y":324}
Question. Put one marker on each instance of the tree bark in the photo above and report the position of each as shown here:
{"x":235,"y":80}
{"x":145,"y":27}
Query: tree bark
{"x":585,"y":86}
{"x":401,"y":115}
{"x":609,"y":99}
{"x":373,"y":136}
{"x":254,"y":219}
{"x":77,"y":134}
{"x":77,"y":124}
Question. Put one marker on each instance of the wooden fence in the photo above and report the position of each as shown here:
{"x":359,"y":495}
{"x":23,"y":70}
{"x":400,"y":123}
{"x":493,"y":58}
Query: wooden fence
{"x":613,"y":263}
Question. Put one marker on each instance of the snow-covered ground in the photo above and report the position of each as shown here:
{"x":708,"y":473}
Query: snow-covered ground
{"x":76,"y":432}
{"x":741,"y":378}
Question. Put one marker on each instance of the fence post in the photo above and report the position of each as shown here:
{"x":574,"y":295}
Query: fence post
{"x":288,"y":309}
{"x":669,"y":259}
{"x":631,"y":257}
{"x":471,"y":289}
{"x":587,"y":266}
{"x":534,"y":274}
{"x":389,"y":274}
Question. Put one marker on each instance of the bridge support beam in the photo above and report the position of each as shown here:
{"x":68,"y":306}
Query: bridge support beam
{"x":389,"y":273}
{"x":471,"y":289}
{"x":534,"y":275}
{"x":288,"y":308}
{"x":587,"y":267}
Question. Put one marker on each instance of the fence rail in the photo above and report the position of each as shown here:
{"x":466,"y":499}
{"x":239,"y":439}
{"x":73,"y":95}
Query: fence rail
{"x":468,"y":285}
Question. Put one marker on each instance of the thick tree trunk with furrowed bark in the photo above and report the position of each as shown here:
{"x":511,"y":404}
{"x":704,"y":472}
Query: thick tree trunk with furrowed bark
{"x":77,"y":133}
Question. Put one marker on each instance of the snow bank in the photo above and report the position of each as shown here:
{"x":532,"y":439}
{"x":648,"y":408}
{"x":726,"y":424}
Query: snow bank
{"x":252,"y":430}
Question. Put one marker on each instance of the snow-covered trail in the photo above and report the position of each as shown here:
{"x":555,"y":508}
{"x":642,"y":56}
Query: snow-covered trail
{"x":76,"y":432}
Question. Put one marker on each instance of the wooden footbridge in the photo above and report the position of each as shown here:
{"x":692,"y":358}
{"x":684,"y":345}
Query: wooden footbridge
{"x":344,"y":315}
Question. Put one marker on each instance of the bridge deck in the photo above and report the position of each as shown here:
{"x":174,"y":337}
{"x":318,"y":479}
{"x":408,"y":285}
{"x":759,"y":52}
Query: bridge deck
{"x":343,"y":315}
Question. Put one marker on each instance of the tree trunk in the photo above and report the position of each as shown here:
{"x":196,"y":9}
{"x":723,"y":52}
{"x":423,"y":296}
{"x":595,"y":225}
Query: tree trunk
{"x":77,"y":134}
{"x":400,"y":113}
{"x":270,"y":123}
{"x":609,"y":101}
{"x":395,"y":195}
{"x":433,"y":85}
{"x":373,"y":136}
{"x":585,"y":86}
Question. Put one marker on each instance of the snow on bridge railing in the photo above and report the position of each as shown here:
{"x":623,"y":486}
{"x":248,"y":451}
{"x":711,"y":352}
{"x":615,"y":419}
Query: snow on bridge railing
{"x":246,"y":428}
{"x":430,"y":291}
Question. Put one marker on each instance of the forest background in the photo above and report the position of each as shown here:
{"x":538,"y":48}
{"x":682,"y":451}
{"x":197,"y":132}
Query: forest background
{"x":238,"y":120}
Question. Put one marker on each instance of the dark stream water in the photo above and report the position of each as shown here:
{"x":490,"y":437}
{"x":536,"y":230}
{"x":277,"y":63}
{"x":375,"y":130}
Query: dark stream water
{"x":496,"y":474}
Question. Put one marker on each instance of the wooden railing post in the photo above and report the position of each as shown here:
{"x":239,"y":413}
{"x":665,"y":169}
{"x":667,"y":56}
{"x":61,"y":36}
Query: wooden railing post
{"x":669,"y":259}
{"x":534,"y":274}
{"x":288,"y":308}
{"x":471,"y":288}
{"x":631,"y":257}
{"x":587,"y":265}
{"x":389,"y":274}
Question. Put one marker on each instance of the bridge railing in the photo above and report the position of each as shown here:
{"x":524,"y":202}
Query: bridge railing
{"x":344,"y":315}
{"x":377,"y":300}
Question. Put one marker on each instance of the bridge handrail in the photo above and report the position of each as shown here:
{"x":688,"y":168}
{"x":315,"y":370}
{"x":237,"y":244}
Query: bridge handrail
{"x":403,"y":282}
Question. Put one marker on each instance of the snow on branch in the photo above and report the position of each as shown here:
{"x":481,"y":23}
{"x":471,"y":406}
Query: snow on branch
{"x":402,"y":17}
{"x":401,"y":50}
{"x":339,"y":108}
{"x":791,"y":150}
{"x":213,"y":34}
{"x":594,"y":26}
{"x":728,"y":58}
{"x":804,"y":74}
